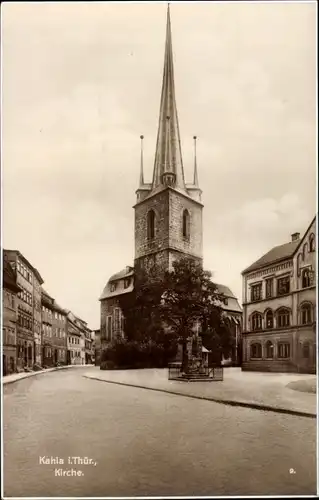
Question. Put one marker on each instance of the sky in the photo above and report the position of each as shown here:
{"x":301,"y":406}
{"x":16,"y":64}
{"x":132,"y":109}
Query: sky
{"x":81,"y":82}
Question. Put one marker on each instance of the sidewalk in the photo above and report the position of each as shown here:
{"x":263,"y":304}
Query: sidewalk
{"x":9,"y":379}
{"x":264,"y":391}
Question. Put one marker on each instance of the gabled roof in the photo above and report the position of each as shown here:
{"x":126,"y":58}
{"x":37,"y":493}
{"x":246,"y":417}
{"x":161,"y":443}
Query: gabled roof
{"x":22,"y":257}
{"x":276,"y":254}
{"x":305,"y":234}
{"x":279,"y":253}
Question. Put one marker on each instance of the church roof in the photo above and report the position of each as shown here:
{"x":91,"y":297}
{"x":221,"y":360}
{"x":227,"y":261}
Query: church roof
{"x":126,"y":272}
{"x":107,"y":293}
{"x":225,"y":291}
{"x":231,"y":304}
{"x":278,"y":253}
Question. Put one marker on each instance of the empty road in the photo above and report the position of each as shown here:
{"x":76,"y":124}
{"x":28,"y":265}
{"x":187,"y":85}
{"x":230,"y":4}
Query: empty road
{"x":145,"y":443}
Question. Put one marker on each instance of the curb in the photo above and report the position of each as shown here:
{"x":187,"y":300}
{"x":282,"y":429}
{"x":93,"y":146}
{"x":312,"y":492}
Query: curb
{"x":254,"y":406}
{"x":33,"y":374}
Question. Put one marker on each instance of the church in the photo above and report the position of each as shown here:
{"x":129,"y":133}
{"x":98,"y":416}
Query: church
{"x":168,"y":217}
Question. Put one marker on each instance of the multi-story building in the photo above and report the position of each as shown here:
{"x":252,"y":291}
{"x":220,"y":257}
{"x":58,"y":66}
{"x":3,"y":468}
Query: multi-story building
{"x":279,"y":307}
{"x":9,"y":315}
{"x":168,"y":212}
{"x":75,"y":340}
{"x":59,"y":333}
{"x":29,"y":309}
{"x":88,"y":347}
{"x":47,"y":303}
{"x":54,"y":332}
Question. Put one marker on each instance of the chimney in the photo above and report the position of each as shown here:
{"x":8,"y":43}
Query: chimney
{"x":295,"y":236}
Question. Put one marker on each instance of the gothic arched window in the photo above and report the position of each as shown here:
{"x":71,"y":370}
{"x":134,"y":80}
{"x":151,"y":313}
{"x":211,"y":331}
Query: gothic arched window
{"x":151,"y":224}
{"x":312,"y":243}
{"x":186,"y":225}
{"x":269,"y":349}
{"x":255,"y":351}
{"x":256,"y":322}
{"x":304,"y":251}
{"x":306,"y":314}
{"x":306,"y":278}
{"x":269,"y":319}
{"x":283,"y":317}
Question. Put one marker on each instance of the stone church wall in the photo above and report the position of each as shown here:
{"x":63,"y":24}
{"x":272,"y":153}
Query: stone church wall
{"x":177,"y":204}
{"x":160,"y":204}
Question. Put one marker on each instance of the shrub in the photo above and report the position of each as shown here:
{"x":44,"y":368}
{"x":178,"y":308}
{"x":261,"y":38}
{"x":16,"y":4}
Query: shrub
{"x":133,"y":354}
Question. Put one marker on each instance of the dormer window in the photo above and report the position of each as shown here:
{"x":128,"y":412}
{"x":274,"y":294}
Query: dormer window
{"x":151,"y":224}
{"x":186,"y":225}
{"x":127,"y":282}
{"x":113,"y":287}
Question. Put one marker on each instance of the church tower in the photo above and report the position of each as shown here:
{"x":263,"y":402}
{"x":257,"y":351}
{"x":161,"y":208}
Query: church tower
{"x":168,"y":212}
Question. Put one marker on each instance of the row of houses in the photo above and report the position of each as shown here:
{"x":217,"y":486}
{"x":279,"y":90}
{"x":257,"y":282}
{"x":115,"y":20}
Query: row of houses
{"x":36,"y":329}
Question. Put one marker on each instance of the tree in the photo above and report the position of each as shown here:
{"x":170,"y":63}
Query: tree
{"x":190,"y":297}
{"x":164,"y":312}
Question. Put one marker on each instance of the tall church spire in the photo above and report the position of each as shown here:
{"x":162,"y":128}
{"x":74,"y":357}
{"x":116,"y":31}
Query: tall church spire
{"x":142,"y":169}
{"x":168,"y":165}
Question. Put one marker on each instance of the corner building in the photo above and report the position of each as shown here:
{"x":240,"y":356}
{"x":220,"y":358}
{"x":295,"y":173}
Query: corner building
{"x":168,"y":212}
{"x":279,"y":309}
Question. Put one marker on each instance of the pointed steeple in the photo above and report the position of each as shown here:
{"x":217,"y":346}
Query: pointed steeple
{"x":168,"y":165}
{"x":142,"y":167}
{"x":195,"y":182}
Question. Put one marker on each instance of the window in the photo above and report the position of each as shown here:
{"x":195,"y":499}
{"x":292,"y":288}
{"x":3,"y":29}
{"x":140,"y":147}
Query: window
{"x":255,"y":351}
{"x":283,"y":350}
{"x":283,"y":318}
{"x":305,"y":278}
{"x":269,"y":288}
{"x":186,"y":224}
{"x":312,"y":243}
{"x":299,"y":264}
{"x":306,"y":350}
{"x":269,"y":350}
{"x":109,"y":328}
{"x":116,"y":319}
{"x":113,"y":287}
{"x":256,"y":322}
{"x":256,"y":292}
{"x":151,"y":224}
{"x":127,"y":282}
{"x":306,"y":316}
{"x":269,"y":319}
{"x":283,"y":285}
{"x":304,"y":250}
